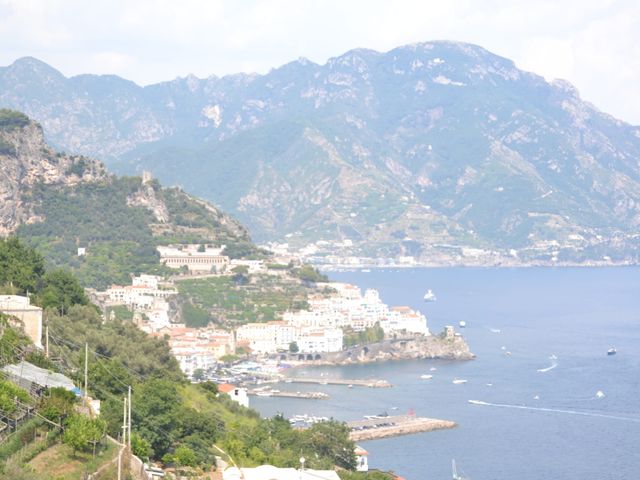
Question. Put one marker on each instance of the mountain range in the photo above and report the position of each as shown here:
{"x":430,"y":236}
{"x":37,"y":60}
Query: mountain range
{"x":439,"y":151}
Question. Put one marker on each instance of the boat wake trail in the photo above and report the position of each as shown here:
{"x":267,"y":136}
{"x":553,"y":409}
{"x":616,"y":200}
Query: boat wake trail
{"x":556,"y":410}
{"x":544,"y":370}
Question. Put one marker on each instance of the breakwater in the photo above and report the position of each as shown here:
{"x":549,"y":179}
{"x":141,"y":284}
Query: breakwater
{"x":393,"y":426}
{"x":371,"y":383}
{"x":278,"y":393}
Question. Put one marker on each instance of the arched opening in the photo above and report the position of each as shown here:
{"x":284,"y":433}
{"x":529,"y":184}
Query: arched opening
{"x":317,"y":357}
{"x":309,"y":357}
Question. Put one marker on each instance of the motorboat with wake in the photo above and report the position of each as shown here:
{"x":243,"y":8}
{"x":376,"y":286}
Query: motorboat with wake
{"x":454,"y":472}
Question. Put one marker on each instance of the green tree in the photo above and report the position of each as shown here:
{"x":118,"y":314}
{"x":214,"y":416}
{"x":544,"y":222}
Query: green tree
{"x":331,"y":441}
{"x":57,"y":404}
{"x":307,"y":273}
{"x":82,"y":433}
{"x":140,"y":446}
{"x":198,"y":374}
{"x":293,"y":347}
{"x":20,"y":266}
{"x":184,"y":457}
{"x":156,"y":413}
{"x":62,"y":290}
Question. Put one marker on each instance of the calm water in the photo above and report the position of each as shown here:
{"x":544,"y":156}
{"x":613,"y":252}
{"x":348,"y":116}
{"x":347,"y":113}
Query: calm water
{"x":574,"y":314}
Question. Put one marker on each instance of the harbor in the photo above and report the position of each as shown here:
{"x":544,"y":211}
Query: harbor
{"x":393,"y":426}
{"x":370,"y":383}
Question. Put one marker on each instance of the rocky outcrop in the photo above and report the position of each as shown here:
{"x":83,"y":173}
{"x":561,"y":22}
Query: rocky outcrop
{"x":406,"y":348}
{"x":146,"y":197}
{"x":25,"y":161}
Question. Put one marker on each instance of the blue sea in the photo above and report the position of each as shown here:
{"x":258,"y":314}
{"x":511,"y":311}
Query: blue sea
{"x":535,"y":425}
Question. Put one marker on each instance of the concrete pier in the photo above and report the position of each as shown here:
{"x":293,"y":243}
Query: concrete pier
{"x":278,"y":393}
{"x":371,"y":383}
{"x":393,"y":426}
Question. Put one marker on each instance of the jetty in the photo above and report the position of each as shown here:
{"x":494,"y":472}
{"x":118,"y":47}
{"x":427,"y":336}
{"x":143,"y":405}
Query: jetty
{"x":278,"y":393}
{"x":371,"y":383}
{"x":393,"y":426}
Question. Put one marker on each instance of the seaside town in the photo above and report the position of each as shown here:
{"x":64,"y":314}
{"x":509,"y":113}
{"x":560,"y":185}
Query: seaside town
{"x":307,"y":333}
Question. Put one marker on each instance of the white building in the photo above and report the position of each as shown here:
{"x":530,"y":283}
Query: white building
{"x":237,"y":394}
{"x":362,"y":462}
{"x":30,"y":316}
{"x":269,"y":472}
{"x":209,"y":260}
{"x":320,"y":340}
{"x":404,"y":319}
{"x":254,"y":266}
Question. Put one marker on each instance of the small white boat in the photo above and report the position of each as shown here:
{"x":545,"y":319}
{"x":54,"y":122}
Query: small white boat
{"x":600,"y":394}
{"x":489,"y":384}
{"x":458,"y":381}
{"x":432,"y":369}
{"x":507,"y":353}
{"x":495,"y":330}
{"x":426,"y":377}
{"x":349,"y":386}
{"x":462,"y":323}
{"x":454,"y":472}
{"x":612,"y":351}
{"x":429,"y":296}
{"x":536,"y":397}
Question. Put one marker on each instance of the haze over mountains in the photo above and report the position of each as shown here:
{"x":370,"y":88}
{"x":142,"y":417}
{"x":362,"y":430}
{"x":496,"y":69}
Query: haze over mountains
{"x":438,"y":150}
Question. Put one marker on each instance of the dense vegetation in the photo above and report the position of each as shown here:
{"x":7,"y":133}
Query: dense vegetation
{"x":11,"y":119}
{"x":232,"y":301}
{"x":22,"y":271}
{"x":368,"y":335}
{"x":120,"y":239}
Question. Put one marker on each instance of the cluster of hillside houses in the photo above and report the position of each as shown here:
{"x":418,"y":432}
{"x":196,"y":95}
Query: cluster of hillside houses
{"x":320,"y":329}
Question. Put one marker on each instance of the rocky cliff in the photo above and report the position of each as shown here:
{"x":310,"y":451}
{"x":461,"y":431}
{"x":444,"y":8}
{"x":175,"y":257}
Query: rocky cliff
{"x":409,"y":348}
{"x":61,"y":202}
{"x":26,"y":161}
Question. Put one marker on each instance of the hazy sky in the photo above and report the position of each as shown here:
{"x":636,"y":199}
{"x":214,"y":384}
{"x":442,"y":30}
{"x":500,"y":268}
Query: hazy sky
{"x":593,"y":44}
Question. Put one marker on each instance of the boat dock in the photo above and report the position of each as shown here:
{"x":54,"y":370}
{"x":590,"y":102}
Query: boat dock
{"x":278,"y":393}
{"x":393,"y":426}
{"x":371,"y":383}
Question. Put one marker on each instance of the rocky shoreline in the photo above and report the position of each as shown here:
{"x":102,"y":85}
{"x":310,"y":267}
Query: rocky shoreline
{"x":405,"y":348}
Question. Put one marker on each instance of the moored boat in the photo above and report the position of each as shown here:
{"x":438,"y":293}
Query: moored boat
{"x":429,"y":296}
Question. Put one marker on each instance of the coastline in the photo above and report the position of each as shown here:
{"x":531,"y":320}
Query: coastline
{"x":405,"y":348}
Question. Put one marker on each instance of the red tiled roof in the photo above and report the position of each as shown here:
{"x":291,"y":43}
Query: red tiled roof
{"x":226,"y":387}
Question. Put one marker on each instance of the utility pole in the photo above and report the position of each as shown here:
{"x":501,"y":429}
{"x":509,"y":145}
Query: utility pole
{"x":129,"y":416}
{"x":46,"y":338}
{"x":86,"y":370}
{"x":124,"y":421}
